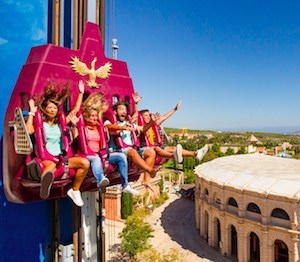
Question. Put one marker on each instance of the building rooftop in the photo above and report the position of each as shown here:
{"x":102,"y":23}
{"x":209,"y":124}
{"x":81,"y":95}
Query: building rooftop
{"x":263,"y":174}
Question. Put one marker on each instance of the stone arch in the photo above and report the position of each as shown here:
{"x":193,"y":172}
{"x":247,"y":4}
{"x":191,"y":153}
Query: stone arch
{"x":233,"y":242}
{"x":280,"y":213}
{"x":206,"y":225}
{"x":231,"y":201}
{"x":252,"y":207}
{"x":216,"y":232}
{"x":206,"y":192}
{"x":216,"y":198}
{"x":232,"y":205}
{"x":253,"y":212}
{"x":281,"y":251}
{"x":254,"y":248}
{"x":280,"y":218}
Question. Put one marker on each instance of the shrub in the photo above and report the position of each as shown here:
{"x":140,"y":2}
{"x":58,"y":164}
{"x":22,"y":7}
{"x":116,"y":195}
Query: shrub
{"x":127,"y":205}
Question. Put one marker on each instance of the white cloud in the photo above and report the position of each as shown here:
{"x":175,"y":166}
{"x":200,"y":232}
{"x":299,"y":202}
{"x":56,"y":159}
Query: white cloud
{"x":39,"y":34}
{"x":3,"y":41}
{"x":24,"y":7}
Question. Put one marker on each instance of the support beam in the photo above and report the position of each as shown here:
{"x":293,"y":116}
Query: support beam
{"x":55,"y":229}
{"x":77,"y":234}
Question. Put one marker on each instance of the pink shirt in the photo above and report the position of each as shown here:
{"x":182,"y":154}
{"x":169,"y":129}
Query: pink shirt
{"x":94,"y":141}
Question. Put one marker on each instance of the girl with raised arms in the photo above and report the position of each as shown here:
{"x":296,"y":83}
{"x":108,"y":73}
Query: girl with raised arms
{"x":48,"y":103}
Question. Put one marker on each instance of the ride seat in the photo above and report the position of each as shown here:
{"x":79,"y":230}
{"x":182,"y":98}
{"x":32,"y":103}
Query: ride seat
{"x":35,"y":166}
{"x":145,"y":141}
{"x":83,"y":139}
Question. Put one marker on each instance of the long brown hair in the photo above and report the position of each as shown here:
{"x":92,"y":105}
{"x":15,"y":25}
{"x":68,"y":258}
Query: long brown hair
{"x":55,"y":94}
{"x":94,"y":102}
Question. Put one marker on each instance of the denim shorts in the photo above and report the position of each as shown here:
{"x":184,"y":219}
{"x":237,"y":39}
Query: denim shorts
{"x":142,"y":150}
{"x":139,"y":150}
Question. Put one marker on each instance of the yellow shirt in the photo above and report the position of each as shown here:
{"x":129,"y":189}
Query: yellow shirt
{"x":150,"y":135}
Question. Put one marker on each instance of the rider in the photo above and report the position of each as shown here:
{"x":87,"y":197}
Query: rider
{"x":48,"y":104}
{"x":199,"y":154}
{"x":145,"y":158}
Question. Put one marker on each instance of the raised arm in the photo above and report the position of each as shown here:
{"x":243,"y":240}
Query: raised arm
{"x":74,"y":120}
{"x":144,"y":128}
{"x":136,"y":99}
{"x":32,"y":111}
{"x":167,"y":115}
{"x":78,"y":102}
{"x":116,"y":129}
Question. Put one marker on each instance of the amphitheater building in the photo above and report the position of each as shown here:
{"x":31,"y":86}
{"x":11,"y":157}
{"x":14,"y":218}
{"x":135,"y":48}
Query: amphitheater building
{"x":248,"y":207}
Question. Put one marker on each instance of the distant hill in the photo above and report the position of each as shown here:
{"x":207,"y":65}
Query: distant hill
{"x":297,"y":133}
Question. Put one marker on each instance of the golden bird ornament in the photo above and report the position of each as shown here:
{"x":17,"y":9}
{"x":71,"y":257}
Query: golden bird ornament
{"x":82,"y":69}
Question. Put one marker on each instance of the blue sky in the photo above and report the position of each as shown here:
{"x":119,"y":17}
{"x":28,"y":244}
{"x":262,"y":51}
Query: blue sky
{"x":234,"y":64}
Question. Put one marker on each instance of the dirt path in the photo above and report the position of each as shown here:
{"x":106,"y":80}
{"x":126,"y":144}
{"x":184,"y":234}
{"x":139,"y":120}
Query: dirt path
{"x":170,"y":232}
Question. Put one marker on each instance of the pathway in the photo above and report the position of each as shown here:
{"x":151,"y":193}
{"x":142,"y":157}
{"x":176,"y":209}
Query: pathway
{"x":170,"y":232}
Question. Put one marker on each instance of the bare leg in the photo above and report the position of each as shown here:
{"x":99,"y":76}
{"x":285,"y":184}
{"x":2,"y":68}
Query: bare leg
{"x":134,"y":156}
{"x":163,"y":153}
{"x":149,"y":155}
{"x":47,"y":178}
{"x":185,"y":153}
{"x":48,"y":166}
{"x":81,"y":165}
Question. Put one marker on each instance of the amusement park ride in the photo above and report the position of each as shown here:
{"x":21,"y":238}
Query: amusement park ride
{"x":23,"y":154}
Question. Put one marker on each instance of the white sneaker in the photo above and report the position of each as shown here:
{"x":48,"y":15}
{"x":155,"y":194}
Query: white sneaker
{"x":130,"y":190}
{"x":75,"y":195}
{"x":104,"y":182}
{"x":46,"y":183}
{"x":201,"y":153}
{"x":178,"y":153}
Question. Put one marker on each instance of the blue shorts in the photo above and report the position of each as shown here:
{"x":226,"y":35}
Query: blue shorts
{"x":142,"y":150}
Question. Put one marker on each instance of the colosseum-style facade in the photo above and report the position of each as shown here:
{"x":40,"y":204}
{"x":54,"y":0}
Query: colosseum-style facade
{"x":248,"y":206}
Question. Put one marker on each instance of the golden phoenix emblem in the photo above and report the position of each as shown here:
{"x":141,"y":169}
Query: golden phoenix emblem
{"x":82,"y":69}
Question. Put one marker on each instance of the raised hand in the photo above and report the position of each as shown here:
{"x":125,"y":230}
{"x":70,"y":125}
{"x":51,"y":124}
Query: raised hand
{"x":136,"y":97}
{"x":73,"y":118}
{"x":155,"y":117}
{"x":81,"y":86}
{"x":134,"y":117}
{"x":32,"y":106}
{"x":178,"y":105}
{"x":127,"y":128}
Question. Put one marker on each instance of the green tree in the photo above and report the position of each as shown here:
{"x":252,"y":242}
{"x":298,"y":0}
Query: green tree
{"x":242,"y":150}
{"x":215,"y":147}
{"x":161,"y":186}
{"x":209,"y":156}
{"x":153,"y":255}
{"x":135,"y":235}
{"x":230,"y":151}
{"x":127,"y":205}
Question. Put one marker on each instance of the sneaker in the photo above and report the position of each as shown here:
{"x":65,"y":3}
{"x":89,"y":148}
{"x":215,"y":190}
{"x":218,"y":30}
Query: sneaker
{"x":75,"y":195}
{"x":201,"y":153}
{"x":130,"y":190}
{"x":104,"y":182}
{"x":178,"y":153}
{"x":46,"y":183}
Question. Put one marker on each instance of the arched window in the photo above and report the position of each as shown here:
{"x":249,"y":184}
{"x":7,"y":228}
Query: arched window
{"x":85,"y":96}
{"x":115,"y":99}
{"x":206,"y":192}
{"x":66,"y":105}
{"x":126,"y":99}
{"x":232,"y":202}
{"x":279,"y":213}
{"x":253,"y":208}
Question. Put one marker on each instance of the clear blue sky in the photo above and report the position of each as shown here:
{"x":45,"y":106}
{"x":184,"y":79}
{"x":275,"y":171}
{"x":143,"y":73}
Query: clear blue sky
{"x":234,"y":64}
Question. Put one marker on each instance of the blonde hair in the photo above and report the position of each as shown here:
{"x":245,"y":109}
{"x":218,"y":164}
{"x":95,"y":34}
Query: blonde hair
{"x":94,"y":102}
{"x":52,"y":94}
